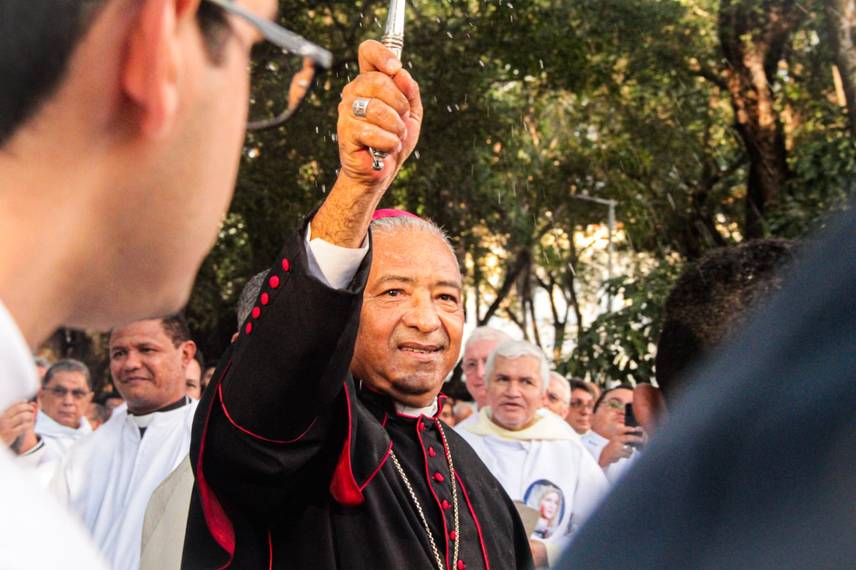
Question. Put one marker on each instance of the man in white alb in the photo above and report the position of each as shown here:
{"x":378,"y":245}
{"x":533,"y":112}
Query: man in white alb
{"x":108,"y":478}
{"x":533,"y":453}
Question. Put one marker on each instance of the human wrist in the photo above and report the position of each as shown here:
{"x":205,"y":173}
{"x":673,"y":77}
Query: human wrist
{"x":344,"y":217}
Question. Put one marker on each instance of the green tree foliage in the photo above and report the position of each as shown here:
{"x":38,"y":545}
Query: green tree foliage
{"x":531,"y":102}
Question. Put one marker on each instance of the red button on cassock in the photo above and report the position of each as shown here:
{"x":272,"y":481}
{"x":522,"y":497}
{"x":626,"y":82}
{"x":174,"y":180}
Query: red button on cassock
{"x":265,"y":298}
{"x":249,"y":328}
{"x":431,"y":452}
{"x":446,"y":504}
{"x":273,"y":281}
{"x":439,"y":477}
{"x":453,"y":535}
{"x":285,"y":265}
{"x":257,"y":312}
{"x":461,"y":565}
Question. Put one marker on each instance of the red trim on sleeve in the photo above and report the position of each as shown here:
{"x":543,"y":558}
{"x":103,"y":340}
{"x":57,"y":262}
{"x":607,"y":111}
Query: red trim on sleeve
{"x":270,"y":551}
{"x":343,"y":485}
{"x":255,"y":435}
{"x":216,"y":519}
{"x":475,"y":520}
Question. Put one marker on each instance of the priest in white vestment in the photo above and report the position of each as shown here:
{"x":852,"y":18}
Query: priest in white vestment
{"x":108,"y":478}
{"x":534,"y":454}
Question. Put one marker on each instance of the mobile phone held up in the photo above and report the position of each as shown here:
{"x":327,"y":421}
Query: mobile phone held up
{"x":630,"y":421}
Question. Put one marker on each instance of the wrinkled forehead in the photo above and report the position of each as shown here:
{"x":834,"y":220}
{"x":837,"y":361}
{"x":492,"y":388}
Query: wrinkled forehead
{"x":413,"y":253}
{"x":525,"y":365}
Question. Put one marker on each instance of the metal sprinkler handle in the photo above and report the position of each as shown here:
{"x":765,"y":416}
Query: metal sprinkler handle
{"x":393,"y":38}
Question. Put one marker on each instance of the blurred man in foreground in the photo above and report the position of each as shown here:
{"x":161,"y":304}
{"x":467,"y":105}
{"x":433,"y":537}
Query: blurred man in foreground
{"x":729,"y":482}
{"x":111,"y":113}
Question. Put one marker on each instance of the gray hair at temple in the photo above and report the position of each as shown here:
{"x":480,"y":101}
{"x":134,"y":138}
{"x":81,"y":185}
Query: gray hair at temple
{"x":68,"y":365}
{"x":485,"y":333}
{"x":394,"y":223}
{"x":512,"y":350}
{"x":249,"y":294}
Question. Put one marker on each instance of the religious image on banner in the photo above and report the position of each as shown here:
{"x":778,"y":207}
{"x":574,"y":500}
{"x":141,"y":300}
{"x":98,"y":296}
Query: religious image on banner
{"x":547,"y":498}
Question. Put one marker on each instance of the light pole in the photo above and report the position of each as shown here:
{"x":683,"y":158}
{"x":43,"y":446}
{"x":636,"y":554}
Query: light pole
{"x":610,"y":229}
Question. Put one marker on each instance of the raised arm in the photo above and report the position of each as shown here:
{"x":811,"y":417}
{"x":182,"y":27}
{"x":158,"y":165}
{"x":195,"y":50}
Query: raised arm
{"x":276,"y":396}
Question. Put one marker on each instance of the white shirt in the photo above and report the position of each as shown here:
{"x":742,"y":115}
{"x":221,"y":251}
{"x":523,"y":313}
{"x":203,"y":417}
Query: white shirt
{"x":594,"y":443}
{"x":36,"y":532}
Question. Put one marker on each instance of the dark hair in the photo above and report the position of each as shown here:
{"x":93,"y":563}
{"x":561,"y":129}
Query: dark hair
{"x":577,"y":384}
{"x":175,"y":327}
{"x":37,"y":39}
{"x":613,"y":389}
{"x":67,"y":365}
{"x":712,"y":298}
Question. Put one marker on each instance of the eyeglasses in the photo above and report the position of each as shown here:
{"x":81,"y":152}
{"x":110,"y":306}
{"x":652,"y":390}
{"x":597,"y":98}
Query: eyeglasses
{"x":614,"y":404}
{"x":285,"y":59}
{"x":577,"y":404}
{"x":61,"y":392}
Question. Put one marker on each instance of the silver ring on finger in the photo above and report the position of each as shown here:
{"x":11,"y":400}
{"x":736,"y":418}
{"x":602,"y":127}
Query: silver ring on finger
{"x":360,"y":107}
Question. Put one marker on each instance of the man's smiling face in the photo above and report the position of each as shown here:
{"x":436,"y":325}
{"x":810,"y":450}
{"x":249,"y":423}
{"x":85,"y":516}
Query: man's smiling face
{"x":147,"y":366}
{"x":412,"y":316}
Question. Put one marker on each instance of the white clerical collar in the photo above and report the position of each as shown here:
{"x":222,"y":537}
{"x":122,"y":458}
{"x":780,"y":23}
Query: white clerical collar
{"x":428,"y":411}
{"x":19,"y":380}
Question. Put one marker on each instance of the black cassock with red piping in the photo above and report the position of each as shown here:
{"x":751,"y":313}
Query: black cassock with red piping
{"x":292,"y":458}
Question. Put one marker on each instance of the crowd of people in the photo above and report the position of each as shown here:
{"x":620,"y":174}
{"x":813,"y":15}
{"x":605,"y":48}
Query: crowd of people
{"x":323,"y":439}
{"x":555,"y":445}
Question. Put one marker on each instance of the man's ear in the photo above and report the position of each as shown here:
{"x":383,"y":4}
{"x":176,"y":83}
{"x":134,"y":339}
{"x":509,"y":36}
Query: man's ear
{"x":154,"y":60}
{"x":188,"y":351}
{"x":649,"y":407}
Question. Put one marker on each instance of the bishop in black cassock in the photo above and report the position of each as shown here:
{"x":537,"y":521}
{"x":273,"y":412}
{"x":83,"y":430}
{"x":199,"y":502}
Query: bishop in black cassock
{"x":300,"y":464}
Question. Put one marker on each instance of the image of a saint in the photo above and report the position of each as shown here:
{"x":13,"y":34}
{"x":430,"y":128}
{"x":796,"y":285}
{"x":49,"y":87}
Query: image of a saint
{"x":546,"y":497}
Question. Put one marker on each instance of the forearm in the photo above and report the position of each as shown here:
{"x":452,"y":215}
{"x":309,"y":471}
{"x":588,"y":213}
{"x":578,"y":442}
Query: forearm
{"x":345,"y":216}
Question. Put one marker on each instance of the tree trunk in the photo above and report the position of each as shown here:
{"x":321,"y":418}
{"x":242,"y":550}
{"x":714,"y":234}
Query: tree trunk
{"x":753,"y":35}
{"x":841,"y":19}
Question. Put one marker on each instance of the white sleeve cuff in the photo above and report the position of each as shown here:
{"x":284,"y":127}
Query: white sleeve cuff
{"x":333,"y":265}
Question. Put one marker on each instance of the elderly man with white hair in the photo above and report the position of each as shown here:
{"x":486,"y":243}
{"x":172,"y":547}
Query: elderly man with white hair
{"x":557,"y":398}
{"x":534,"y":454}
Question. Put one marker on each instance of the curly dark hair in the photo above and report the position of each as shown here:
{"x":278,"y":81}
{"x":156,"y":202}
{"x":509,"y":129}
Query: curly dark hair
{"x":713,"y":297}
